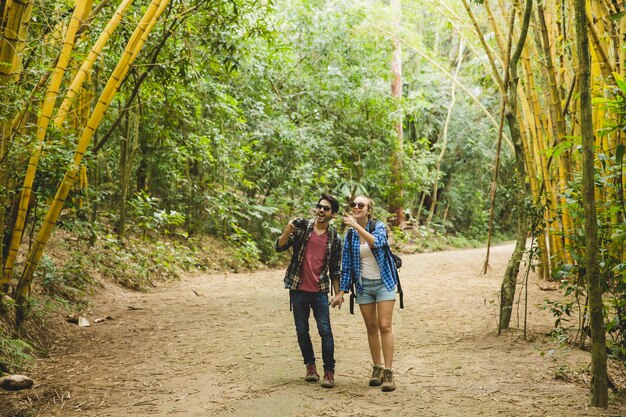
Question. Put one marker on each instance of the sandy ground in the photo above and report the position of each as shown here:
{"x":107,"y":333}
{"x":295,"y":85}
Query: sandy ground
{"x":225,"y":345}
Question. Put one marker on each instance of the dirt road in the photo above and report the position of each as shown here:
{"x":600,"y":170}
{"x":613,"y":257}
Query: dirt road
{"x":225,"y":345}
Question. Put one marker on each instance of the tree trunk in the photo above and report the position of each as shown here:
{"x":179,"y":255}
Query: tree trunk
{"x":444,"y":142}
{"x":123,"y":172}
{"x":599,"y":391}
{"x":396,"y":200}
{"x":509,"y":280}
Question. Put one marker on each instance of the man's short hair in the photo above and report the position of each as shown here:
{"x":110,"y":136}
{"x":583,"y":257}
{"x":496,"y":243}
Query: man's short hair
{"x":334,"y":204}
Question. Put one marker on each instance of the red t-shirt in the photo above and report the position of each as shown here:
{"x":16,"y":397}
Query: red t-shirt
{"x":313,"y":262}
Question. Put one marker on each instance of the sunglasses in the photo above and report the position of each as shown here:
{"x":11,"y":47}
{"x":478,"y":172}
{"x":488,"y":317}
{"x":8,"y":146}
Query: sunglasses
{"x":359,"y":205}
{"x":323,"y":207}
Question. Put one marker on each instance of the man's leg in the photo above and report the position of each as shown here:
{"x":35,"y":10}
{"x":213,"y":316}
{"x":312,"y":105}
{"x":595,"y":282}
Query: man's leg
{"x":322,"y":318}
{"x":301,"y":313}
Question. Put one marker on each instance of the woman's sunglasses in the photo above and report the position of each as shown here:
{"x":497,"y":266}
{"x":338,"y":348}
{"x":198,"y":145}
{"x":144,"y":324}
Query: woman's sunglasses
{"x":323,"y":207}
{"x":359,"y":205}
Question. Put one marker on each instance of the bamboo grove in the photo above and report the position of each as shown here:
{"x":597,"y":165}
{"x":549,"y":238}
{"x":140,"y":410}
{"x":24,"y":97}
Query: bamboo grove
{"x":550,"y":124}
{"x":548,"y":109}
{"x":551,"y":135}
{"x":16,"y":18}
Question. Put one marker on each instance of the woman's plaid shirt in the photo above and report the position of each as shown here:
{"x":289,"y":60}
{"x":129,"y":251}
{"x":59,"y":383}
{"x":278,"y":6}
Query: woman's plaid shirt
{"x":351,"y":264}
{"x":332,"y":264}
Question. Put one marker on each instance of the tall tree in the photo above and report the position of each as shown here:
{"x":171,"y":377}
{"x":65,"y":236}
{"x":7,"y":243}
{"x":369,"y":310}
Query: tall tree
{"x":444,"y":134}
{"x":14,"y":19}
{"x":509,"y":281}
{"x":599,"y":391}
{"x":396,"y":205}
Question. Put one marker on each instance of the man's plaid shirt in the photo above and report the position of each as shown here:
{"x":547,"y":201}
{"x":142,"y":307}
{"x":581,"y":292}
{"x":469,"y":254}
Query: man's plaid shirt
{"x":332,"y":264}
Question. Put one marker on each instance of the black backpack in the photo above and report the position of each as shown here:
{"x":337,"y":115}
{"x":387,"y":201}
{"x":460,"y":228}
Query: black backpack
{"x":394,"y":261}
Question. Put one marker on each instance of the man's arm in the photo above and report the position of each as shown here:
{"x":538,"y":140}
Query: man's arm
{"x":285,"y":240}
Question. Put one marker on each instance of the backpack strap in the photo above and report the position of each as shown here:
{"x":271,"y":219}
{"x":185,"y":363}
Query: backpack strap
{"x":334,"y":237}
{"x":352,"y":287}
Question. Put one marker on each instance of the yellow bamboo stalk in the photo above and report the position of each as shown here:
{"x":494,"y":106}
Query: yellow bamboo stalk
{"x":530,"y":161}
{"x":496,"y":29}
{"x":486,"y":48}
{"x":42,"y":127}
{"x":17,"y":16}
{"x":5,"y":13}
{"x":597,"y":43}
{"x":558,"y":125}
{"x":530,"y":107}
{"x":622,"y":31}
{"x":87,"y":64}
{"x":134,"y":45}
{"x":526,"y":144}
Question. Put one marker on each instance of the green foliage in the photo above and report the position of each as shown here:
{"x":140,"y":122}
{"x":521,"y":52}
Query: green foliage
{"x":149,"y":217}
{"x":608,"y":178}
{"x":252,"y":109}
{"x":70,"y":282}
{"x":248,"y":252}
{"x":14,"y":353}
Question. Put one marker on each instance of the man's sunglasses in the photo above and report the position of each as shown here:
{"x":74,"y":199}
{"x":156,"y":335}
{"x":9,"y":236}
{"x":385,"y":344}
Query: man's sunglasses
{"x":323,"y":207}
{"x":359,"y":205}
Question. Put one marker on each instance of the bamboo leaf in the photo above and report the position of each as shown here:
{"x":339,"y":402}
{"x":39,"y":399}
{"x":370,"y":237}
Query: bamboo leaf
{"x":557,"y":150}
{"x":619,"y":154}
{"x":621,"y":83}
{"x":617,"y":16}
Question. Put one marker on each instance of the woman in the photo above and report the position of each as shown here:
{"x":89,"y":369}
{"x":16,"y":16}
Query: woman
{"x":365,"y":262}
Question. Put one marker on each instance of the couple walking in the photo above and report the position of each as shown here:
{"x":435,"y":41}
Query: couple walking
{"x":317,"y":264}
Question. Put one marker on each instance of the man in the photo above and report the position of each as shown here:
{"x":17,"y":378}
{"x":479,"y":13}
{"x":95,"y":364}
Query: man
{"x":315,"y":266}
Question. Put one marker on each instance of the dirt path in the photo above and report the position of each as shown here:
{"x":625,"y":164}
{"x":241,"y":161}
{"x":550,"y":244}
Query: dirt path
{"x":225,"y":345}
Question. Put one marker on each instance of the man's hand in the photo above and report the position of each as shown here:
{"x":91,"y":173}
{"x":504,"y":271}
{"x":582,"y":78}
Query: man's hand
{"x":290,"y":227}
{"x":337,"y":300}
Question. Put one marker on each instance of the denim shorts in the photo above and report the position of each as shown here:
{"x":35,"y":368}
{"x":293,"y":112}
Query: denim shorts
{"x":374,"y":291}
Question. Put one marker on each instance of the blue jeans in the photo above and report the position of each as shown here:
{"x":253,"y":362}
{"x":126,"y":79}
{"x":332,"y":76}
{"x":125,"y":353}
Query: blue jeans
{"x":303,"y":302}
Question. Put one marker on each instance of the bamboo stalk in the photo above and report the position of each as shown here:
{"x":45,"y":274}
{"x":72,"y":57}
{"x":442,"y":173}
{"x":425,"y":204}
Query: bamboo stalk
{"x":42,"y":127}
{"x":444,"y":144}
{"x":132,"y":49}
{"x":605,"y":62}
{"x":87,"y":64}
{"x":486,"y":48}
{"x":17,"y":16}
{"x":496,"y":164}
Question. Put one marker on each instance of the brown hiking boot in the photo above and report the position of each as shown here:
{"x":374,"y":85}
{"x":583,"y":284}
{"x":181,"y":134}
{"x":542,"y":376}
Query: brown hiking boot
{"x":329,"y":379}
{"x":388,"y":384}
{"x":377,"y":376}
{"x":311,"y":373}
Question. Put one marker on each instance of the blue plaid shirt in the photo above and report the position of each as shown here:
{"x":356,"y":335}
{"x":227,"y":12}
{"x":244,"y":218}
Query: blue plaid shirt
{"x":351,"y":260}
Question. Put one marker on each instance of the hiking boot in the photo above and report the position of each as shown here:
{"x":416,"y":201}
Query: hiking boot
{"x":377,"y":376}
{"x":329,"y":379}
{"x":311,"y":373}
{"x":388,"y":384}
